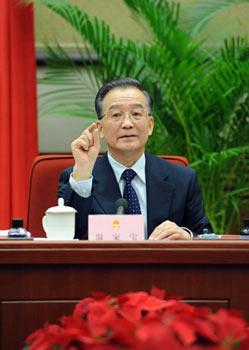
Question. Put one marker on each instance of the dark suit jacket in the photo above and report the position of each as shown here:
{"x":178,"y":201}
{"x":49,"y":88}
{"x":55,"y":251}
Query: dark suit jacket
{"x":172,"y":194}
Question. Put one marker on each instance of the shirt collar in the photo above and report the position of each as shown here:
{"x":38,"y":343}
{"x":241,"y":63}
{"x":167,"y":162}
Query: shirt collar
{"x":118,"y":168}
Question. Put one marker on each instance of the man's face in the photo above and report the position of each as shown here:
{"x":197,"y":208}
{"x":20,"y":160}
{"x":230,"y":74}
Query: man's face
{"x":126,"y":124}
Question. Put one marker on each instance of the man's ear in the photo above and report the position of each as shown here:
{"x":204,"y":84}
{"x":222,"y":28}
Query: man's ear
{"x":100,"y":128}
{"x":151,"y":125}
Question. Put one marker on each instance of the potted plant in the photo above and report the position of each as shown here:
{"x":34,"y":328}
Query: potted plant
{"x":201,"y":96}
{"x":141,"y":321}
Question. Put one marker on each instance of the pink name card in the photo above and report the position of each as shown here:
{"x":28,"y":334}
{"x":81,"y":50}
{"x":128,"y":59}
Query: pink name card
{"x":116,"y":228}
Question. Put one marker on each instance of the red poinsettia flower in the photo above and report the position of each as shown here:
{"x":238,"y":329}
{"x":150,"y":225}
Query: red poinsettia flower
{"x":142,"y":321}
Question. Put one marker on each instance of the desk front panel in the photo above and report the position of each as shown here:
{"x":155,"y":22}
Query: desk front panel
{"x":41,"y":281}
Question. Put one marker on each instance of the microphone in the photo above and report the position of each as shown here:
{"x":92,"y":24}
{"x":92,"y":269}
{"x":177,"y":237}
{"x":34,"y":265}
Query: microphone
{"x":121,"y":206}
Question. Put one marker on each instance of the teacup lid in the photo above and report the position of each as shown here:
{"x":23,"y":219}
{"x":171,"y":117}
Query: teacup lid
{"x":61,"y":208}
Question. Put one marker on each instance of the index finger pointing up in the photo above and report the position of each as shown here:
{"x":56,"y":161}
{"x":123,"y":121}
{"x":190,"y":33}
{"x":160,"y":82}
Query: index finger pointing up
{"x":90,"y":128}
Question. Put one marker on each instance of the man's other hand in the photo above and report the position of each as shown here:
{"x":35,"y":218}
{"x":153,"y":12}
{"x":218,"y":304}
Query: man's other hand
{"x":169,"y":230}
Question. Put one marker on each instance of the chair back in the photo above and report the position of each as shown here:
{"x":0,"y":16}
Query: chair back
{"x":43,"y":186}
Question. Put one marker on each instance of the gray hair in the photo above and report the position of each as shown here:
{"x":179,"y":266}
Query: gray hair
{"x":119,"y":83}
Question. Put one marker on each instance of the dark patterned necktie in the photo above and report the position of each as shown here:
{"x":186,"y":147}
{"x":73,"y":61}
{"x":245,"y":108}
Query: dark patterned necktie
{"x":129,"y":192}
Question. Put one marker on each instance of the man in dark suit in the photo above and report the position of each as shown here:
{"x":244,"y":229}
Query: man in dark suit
{"x":166,"y":194}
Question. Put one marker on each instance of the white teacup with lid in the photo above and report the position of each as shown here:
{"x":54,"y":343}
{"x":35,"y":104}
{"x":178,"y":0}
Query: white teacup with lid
{"x":59,"y":222}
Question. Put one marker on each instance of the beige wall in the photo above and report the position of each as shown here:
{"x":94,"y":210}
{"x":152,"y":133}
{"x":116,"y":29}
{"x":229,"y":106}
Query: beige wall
{"x":56,"y":133}
{"x":114,"y":12}
{"x":50,"y":27}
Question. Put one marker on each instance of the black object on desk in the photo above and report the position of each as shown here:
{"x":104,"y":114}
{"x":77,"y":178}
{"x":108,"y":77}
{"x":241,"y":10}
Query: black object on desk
{"x":17,"y":230}
{"x":245,"y":229}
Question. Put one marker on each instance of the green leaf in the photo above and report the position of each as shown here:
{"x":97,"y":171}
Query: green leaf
{"x":199,"y":14}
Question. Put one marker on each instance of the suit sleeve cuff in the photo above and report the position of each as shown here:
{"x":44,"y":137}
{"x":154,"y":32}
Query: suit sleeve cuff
{"x":82,"y":188}
{"x":189,"y":232}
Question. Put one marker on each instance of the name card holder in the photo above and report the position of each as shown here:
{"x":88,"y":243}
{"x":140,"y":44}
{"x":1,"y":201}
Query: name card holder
{"x":115,"y":228}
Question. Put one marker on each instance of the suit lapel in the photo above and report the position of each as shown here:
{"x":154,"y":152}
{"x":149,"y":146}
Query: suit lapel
{"x":106,"y":189}
{"x":159,"y":192}
{"x":158,"y":188}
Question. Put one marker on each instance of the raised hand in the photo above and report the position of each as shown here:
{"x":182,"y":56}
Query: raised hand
{"x":85,"y":150}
